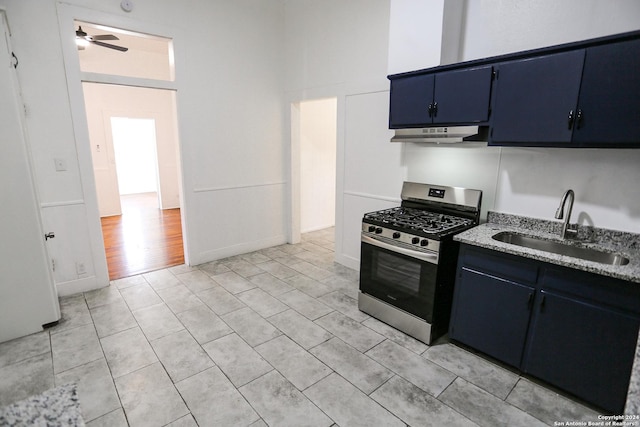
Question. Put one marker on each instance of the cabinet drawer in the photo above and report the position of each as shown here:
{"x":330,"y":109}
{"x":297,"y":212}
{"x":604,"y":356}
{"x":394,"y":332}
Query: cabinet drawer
{"x":503,"y":265}
{"x":613,"y":293}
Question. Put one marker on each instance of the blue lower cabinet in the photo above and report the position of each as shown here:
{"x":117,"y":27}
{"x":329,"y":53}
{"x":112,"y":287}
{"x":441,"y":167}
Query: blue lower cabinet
{"x":572,"y":329}
{"x":584,"y":348}
{"x":491,"y":315}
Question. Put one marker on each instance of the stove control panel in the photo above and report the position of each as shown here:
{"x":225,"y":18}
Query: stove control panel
{"x":419,"y":243}
{"x":437,"y":192}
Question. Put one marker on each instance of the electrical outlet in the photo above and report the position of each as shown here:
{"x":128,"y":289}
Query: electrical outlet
{"x":81,"y":268}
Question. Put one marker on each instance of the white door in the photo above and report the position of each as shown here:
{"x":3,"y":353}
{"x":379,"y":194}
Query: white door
{"x":28,"y":298}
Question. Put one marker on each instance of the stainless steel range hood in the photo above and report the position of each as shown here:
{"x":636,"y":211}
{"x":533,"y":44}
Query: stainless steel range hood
{"x":442,"y":135}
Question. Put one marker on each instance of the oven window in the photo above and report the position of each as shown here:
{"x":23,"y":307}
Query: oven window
{"x":401,"y":281}
{"x":397,"y":272}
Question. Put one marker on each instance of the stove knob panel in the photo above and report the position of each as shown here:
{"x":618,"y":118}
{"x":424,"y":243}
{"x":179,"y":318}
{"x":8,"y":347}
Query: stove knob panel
{"x":396,"y":235}
{"x":415,"y":240}
{"x":424,"y":242}
{"x":378,"y":230}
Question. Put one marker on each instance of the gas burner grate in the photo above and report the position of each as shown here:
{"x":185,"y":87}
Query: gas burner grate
{"x":418,"y":220}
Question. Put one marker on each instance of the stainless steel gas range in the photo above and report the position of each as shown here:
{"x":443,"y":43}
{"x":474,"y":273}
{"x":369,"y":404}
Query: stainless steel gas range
{"x":408,"y":257}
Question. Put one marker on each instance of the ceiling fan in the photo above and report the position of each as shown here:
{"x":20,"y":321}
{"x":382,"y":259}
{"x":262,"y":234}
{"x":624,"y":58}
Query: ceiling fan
{"x":83,"y":39}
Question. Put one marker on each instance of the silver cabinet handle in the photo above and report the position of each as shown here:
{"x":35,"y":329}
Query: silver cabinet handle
{"x":424,"y":256}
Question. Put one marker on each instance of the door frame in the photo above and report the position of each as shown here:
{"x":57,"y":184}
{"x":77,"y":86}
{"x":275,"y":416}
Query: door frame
{"x":67,"y":14}
{"x":292,"y":126}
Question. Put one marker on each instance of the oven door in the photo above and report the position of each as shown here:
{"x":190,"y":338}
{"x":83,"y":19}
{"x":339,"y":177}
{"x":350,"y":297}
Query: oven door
{"x":399,"y":276}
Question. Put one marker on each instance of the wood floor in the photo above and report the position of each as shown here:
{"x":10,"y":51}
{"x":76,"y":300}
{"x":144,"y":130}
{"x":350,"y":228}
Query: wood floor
{"x":142,"y":239}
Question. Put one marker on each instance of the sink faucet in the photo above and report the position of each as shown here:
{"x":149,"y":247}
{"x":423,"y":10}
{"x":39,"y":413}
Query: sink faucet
{"x":568,"y":230}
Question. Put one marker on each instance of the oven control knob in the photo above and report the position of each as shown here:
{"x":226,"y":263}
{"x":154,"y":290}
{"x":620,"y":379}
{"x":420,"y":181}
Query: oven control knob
{"x":415,"y":240}
{"x":396,"y":235}
{"x":372,"y":228}
{"x":378,"y":230}
{"x":424,"y":242}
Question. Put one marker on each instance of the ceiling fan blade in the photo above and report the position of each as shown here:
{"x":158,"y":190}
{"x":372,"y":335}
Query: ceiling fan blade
{"x":110,"y":46}
{"x":105,"y":37}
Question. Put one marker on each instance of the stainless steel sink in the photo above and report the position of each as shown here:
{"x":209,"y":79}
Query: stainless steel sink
{"x":587,"y":254}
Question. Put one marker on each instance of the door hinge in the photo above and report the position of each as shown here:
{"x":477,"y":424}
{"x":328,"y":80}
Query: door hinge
{"x":53,"y":264}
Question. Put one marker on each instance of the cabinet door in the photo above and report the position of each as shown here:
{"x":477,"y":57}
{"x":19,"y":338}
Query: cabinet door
{"x":582,"y":348}
{"x":609,"y":106}
{"x":410,"y":98}
{"x":463,"y":96}
{"x":491,"y":314}
{"x":534,"y":98}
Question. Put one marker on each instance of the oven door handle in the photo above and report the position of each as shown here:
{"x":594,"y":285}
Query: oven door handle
{"x":423,"y":256}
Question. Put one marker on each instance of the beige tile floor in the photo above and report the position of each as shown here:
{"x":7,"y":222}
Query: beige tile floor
{"x":273,"y":338}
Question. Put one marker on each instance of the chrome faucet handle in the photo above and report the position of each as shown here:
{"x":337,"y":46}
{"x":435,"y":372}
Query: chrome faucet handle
{"x":571,"y":231}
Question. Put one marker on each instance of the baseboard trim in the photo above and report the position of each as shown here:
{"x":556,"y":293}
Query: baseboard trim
{"x":241,"y":248}
{"x":85,"y":284}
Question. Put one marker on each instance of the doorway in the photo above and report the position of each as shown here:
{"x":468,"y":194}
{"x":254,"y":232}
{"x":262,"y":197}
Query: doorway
{"x":135,"y":154}
{"x":317,"y":129}
{"x":134,"y":148}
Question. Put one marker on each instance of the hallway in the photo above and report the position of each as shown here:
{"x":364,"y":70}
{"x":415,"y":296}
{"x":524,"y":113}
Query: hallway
{"x":142,"y":239}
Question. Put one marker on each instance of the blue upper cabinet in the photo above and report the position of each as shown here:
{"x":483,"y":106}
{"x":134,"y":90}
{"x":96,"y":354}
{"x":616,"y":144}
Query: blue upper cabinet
{"x":459,"y":97}
{"x":463,"y":96}
{"x":579,"y":98}
{"x":410,"y":101}
{"x":582,"y":94}
{"x":536,"y":99}
{"x":609,"y":105}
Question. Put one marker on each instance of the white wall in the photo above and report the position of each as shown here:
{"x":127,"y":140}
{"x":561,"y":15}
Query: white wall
{"x":465,"y":165}
{"x":373,"y":167}
{"x":317,"y":164}
{"x":412,"y":23}
{"x":229,"y":82}
{"x":496,"y":27}
{"x":105,"y":101}
{"x":339,"y":49}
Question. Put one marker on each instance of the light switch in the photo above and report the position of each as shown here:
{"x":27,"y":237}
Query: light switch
{"x":61,"y":164}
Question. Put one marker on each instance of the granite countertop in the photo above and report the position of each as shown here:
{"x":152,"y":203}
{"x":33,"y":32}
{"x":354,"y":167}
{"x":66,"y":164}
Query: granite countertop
{"x":55,"y":407}
{"x":624,"y":243}
{"x":633,"y":396}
